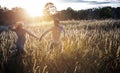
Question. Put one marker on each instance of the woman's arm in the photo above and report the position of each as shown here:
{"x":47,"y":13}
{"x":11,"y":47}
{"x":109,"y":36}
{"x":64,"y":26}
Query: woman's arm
{"x":44,"y":33}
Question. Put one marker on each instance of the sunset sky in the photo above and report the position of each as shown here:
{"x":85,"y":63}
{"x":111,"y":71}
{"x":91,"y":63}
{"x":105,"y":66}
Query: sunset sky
{"x":35,"y":7}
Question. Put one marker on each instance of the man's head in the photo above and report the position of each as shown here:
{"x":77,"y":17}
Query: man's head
{"x":19,"y":25}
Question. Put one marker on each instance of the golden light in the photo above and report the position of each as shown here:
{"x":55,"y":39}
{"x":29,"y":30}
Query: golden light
{"x":34,"y":8}
{"x":34,"y":12}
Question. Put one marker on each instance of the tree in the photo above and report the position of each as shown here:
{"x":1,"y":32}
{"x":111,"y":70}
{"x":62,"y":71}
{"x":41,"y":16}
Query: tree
{"x":11,"y":16}
{"x":105,"y":12}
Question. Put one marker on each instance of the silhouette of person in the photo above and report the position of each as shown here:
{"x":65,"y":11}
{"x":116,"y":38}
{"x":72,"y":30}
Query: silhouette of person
{"x":15,"y":63}
{"x":21,"y":33}
{"x":56,"y":31}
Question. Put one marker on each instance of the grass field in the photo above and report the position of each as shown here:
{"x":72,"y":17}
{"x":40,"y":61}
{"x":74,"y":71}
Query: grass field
{"x":89,"y":46}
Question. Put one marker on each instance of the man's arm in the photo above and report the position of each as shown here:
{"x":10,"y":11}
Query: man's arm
{"x":31,"y":34}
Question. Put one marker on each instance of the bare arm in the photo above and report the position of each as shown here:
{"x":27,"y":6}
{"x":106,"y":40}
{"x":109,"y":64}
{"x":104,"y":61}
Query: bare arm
{"x":44,"y":33}
{"x":31,"y":34}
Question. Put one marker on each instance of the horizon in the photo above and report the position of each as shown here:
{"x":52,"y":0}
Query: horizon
{"x":35,"y":7}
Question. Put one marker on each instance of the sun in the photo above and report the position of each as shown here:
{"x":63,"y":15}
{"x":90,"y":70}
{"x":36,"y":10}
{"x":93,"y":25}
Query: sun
{"x":33,"y":8}
{"x":34,"y":12}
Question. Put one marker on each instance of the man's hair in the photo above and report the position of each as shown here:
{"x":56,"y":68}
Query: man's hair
{"x":19,"y":24}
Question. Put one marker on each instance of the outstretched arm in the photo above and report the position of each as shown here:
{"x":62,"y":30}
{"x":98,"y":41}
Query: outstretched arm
{"x":31,"y":34}
{"x":44,"y":33}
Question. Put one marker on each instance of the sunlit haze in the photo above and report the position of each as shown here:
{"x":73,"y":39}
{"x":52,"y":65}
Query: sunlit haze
{"x":35,"y":7}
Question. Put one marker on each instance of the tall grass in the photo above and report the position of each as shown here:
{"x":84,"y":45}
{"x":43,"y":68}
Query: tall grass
{"x":89,"y":46}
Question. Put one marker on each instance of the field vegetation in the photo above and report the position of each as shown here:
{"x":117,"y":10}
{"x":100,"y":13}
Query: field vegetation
{"x":89,"y":46}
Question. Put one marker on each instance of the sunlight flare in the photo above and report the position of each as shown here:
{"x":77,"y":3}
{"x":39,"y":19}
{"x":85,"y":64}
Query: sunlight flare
{"x":34,"y":12}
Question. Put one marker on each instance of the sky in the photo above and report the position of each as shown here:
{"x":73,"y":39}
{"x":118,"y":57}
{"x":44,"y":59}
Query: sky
{"x":35,"y":7}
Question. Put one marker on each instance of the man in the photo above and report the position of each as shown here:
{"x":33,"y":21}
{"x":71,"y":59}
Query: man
{"x":21,"y":33}
{"x":15,"y":62}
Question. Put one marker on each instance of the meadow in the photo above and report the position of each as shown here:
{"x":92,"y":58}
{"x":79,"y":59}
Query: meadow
{"x":89,"y":46}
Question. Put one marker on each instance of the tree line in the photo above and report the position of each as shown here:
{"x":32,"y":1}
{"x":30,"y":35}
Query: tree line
{"x":94,"y":13}
{"x":8,"y":16}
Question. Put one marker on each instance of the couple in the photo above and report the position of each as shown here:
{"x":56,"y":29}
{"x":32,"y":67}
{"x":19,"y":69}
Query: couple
{"x":16,"y":62}
{"x":56,"y":31}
